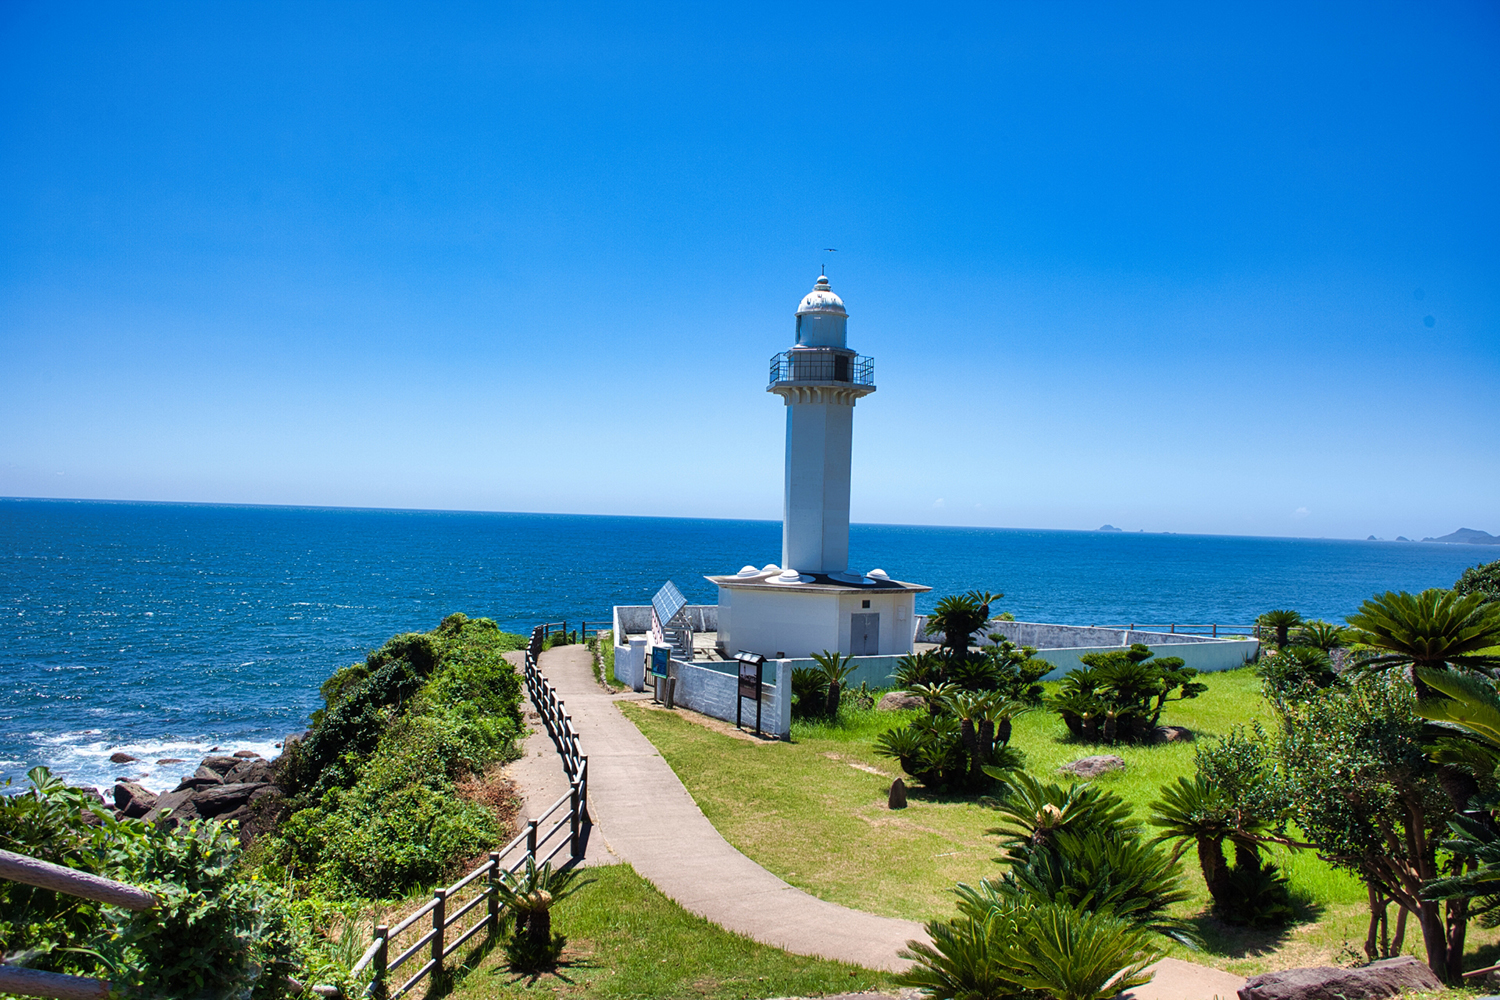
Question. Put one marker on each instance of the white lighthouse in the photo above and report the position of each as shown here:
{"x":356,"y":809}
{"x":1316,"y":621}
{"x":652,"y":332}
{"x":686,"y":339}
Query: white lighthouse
{"x":811,"y":602}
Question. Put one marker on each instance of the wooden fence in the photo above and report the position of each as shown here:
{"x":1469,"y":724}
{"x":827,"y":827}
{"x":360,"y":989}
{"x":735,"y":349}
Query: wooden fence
{"x":428,"y":931}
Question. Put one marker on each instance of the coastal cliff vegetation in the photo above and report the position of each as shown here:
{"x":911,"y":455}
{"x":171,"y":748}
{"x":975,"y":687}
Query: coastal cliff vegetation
{"x":391,"y":790}
{"x":386,"y":793}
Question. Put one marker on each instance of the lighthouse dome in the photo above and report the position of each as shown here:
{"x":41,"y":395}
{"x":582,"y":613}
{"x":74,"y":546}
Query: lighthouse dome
{"x":821,"y":300}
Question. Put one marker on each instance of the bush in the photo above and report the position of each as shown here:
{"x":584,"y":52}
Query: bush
{"x":376,"y":809}
{"x":1296,"y":672}
{"x":1118,"y":697}
{"x":1483,"y":579}
{"x":964,"y":744}
{"x":214,"y":934}
{"x":809,"y":692}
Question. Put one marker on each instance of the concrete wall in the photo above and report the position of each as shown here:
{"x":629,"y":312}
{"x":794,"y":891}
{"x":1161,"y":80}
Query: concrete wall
{"x":706,"y":688}
{"x":770,"y":621}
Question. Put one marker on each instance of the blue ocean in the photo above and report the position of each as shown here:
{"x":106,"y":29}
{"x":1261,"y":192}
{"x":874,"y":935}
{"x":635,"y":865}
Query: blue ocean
{"x":166,"y":630}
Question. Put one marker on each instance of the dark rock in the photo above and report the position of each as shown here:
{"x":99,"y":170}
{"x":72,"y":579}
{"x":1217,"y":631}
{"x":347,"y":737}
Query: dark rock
{"x":896,"y":799}
{"x":133,"y":800}
{"x":246,"y":753}
{"x":1385,"y":978}
{"x":201,"y":778}
{"x":1172,"y":734}
{"x":1092,"y":767}
{"x":898,"y":701}
{"x":219,"y":765}
{"x":171,"y":760}
{"x":121,"y":757}
{"x":256,"y":769}
{"x":180,"y":804}
{"x":223,"y":798}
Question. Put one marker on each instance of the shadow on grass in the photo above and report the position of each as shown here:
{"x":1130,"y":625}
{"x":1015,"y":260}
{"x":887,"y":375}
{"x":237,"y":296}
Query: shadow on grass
{"x":471,"y":967}
{"x":1236,"y":941}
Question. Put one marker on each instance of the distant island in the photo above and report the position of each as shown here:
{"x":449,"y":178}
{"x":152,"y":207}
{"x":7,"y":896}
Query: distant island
{"x":1467,"y":536}
{"x":1111,"y":527}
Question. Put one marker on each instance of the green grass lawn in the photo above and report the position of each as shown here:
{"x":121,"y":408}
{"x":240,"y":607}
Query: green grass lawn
{"x":625,"y":939}
{"x":813,"y":811}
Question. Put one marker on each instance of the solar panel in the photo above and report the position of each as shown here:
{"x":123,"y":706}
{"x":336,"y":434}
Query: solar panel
{"x":668,"y":602}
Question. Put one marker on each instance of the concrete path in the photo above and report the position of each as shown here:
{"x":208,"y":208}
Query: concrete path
{"x":645,"y":816}
{"x":642,"y":814}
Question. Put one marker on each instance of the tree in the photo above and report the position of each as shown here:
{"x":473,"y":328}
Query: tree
{"x":529,"y":896}
{"x":1282,"y":620}
{"x":1119,"y":695}
{"x":1363,"y":790}
{"x":1483,"y":579}
{"x":836,"y":669}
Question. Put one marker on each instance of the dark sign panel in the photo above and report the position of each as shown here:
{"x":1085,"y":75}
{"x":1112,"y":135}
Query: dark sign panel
{"x":661,"y":660}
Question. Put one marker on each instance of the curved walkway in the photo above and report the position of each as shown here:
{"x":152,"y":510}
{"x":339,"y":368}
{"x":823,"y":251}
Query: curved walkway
{"x":646,"y":817}
{"x":642,"y":814}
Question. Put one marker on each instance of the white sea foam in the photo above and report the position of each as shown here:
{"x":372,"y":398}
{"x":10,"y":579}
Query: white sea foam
{"x":82,"y":759}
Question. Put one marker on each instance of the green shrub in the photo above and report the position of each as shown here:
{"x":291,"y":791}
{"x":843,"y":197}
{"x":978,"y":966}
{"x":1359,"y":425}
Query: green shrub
{"x":1118,"y":697}
{"x":809,"y":692}
{"x":1483,"y":579}
{"x":376,"y":810}
{"x":1296,"y":672}
{"x":214,"y":933}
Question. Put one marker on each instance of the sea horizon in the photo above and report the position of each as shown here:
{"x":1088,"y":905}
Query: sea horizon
{"x":166,"y":629}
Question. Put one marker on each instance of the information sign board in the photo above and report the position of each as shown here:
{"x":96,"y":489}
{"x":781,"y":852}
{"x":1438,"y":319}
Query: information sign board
{"x":661,"y":660}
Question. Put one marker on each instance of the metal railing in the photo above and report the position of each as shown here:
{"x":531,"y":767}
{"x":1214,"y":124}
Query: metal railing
{"x":426,"y":930}
{"x":822,"y":365}
{"x":1213,"y":630}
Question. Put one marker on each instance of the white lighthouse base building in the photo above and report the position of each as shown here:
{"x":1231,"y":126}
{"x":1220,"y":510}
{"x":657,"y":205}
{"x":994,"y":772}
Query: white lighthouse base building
{"x":781,"y":614}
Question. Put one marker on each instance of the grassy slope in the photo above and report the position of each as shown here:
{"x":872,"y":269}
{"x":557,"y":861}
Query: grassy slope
{"x":625,"y":939}
{"x":812,"y":812}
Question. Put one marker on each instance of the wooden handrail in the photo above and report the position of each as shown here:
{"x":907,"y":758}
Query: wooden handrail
{"x":46,"y":875}
{"x":35,"y":983}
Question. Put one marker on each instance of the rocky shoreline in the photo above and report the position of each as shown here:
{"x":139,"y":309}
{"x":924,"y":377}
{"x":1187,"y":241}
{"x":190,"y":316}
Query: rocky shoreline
{"x":241,"y":786}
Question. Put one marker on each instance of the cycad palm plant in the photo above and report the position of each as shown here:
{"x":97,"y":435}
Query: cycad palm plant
{"x":1193,"y":811}
{"x":1322,"y":635}
{"x":836,"y":669}
{"x":1428,"y":631}
{"x":529,"y":896}
{"x":1283,"y":620}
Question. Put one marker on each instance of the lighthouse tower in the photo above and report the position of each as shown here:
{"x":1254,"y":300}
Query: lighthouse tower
{"x":811,"y":602}
{"x":820,"y":378}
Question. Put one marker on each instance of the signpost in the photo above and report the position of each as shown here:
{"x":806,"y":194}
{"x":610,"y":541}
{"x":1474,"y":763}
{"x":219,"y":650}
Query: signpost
{"x":661,"y":667}
{"x":751,"y":684}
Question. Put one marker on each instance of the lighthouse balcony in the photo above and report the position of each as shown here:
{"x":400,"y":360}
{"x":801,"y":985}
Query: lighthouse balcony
{"x":816,"y":365}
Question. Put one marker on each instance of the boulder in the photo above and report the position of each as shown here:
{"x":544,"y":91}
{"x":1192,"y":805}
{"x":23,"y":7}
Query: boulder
{"x":1172,"y":734}
{"x":134,"y":800}
{"x":171,"y":760}
{"x":898,"y":701}
{"x":179,"y":802}
{"x":121,"y":757}
{"x":219,"y":765}
{"x":201,"y":778}
{"x":1385,"y":978}
{"x":222,"y":798}
{"x":256,"y":769}
{"x":243,"y":754}
{"x":1092,"y":767}
{"x":896,"y":799}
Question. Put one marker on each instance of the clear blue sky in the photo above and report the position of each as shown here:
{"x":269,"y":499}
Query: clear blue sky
{"x":1176,"y":267}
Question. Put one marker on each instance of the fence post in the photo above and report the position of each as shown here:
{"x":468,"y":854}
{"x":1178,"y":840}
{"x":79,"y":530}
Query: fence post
{"x":1216,"y":630}
{"x":583,"y":784}
{"x":531,"y":840}
{"x":577,"y":840}
{"x":382,"y":956}
{"x":439,"y":919}
{"x":494,"y":891}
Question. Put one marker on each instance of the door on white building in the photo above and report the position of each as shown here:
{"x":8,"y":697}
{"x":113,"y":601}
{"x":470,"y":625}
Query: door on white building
{"x":864,"y":634}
